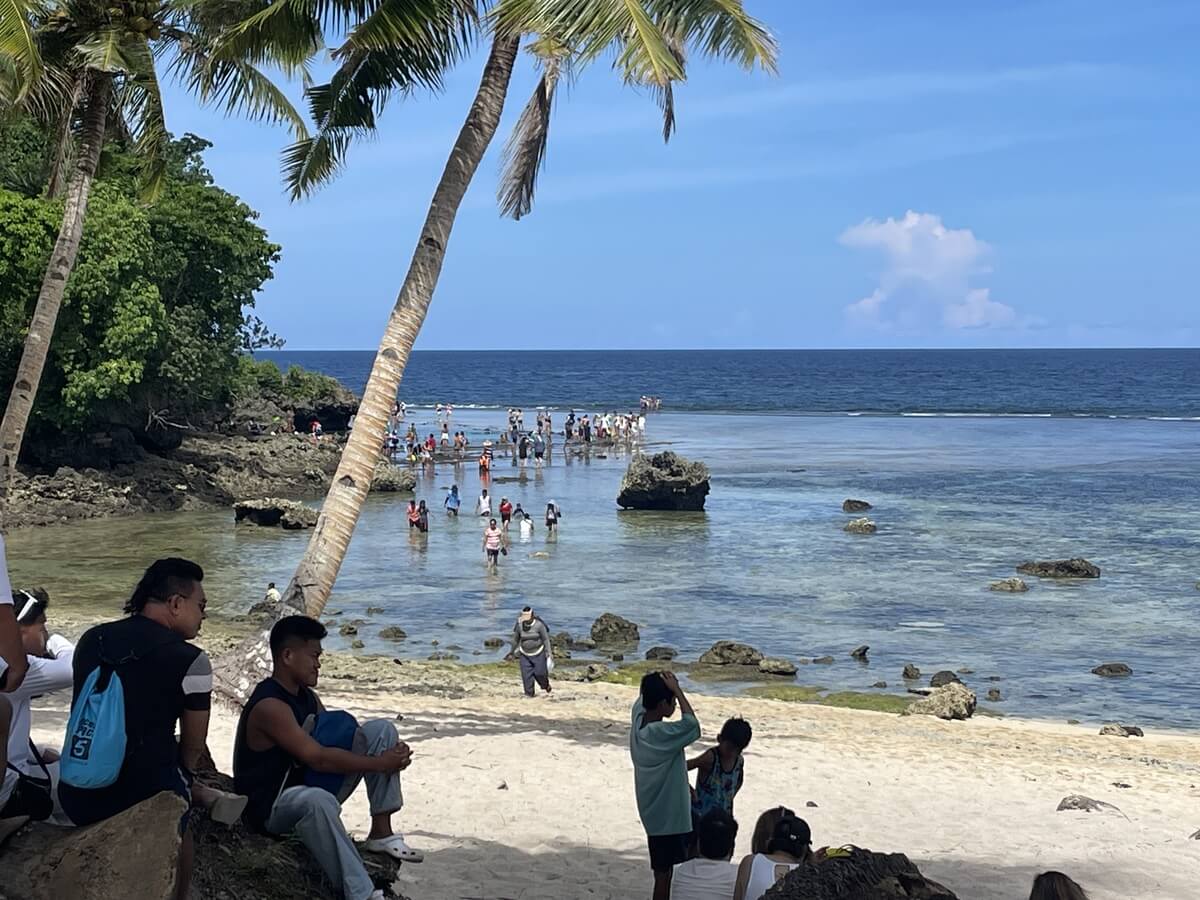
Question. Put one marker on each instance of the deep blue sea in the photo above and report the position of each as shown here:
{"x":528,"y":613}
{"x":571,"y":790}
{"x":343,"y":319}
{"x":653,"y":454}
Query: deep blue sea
{"x":974,"y":461}
{"x":1121,"y":383}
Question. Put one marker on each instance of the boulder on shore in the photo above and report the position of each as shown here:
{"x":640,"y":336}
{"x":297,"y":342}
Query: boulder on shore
{"x":388,"y":478}
{"x":610,"y":629}
{"x":860,"y":526}
{"x":952,"y":701}
{"x":1080,"y":803}
{"x":560,"y":645}
{"x":1112,"y":670}
{"x":859,"y":875}
{"x":773,"y":665}
{"x":1009,"y":585}
{"x":664,"y":481}
{"x":731,"y":653}
{"x":855,"y":506}
{"x":1117,"y":730}
{"x":271,"y":512}
{"x":1060,"y":568}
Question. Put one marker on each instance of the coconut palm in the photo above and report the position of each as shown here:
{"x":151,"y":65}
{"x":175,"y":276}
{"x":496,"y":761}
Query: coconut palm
{"x":649,"y":40}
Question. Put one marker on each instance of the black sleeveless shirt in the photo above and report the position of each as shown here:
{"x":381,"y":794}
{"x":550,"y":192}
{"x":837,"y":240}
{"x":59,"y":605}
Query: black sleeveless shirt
{"x":260,"y":774}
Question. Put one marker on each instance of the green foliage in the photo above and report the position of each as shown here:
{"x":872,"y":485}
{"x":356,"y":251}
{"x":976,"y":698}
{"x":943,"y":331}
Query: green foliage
{"x":153,"y":317}
{"x":261,"y":377}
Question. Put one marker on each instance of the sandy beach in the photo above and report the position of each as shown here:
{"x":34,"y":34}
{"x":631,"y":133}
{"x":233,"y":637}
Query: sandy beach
{"x":533,"y":799}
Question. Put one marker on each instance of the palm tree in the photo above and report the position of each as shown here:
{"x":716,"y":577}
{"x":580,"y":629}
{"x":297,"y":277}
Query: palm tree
{"x":87,"y":68}
{"x":649,"y":39}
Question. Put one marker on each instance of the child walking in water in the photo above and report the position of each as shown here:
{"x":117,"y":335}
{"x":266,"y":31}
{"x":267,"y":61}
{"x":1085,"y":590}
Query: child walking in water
{"x":720,"y":770}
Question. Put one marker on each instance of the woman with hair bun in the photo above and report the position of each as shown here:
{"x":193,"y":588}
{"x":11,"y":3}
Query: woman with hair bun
{"x":790,"y":846}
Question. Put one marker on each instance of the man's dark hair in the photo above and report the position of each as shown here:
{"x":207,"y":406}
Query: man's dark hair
{"x":271,"y":585}
{"x":292,"y":630}
{"x":654,"y":690}
{"x":737,"y":731}
{"x":164,"y":578}
{"x":30,"y":604}
{"x":716,"y":832}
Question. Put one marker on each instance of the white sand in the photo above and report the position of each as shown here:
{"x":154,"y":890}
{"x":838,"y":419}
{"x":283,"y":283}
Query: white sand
{"x":972,"y":803}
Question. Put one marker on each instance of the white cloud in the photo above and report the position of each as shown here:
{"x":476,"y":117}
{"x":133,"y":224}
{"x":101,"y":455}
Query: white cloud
{"x":927,"y":275}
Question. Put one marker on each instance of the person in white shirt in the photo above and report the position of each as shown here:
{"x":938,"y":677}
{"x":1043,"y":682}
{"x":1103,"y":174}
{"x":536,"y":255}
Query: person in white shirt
{"x":30,"y":789}
{"x":483,"y":506}
{"x":12,"y":654}
{"x":526,"y":529}
{"x":710,"y":876}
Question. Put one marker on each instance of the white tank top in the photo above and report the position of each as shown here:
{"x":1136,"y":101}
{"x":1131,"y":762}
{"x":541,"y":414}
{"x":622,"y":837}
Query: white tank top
{"x":764,"y":873}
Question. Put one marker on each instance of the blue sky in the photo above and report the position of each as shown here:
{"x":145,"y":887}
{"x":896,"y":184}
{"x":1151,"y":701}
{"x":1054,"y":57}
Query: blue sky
{"x":1016,"y":174}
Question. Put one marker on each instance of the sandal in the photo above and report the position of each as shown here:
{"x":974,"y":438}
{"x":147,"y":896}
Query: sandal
{"x":394,"y":846}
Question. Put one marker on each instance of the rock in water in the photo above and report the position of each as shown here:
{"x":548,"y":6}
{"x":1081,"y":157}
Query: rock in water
{"x":1080,"y":803}
{"x":855,"y":506}
{"x":860,"y":652}
{"x":561,"y":645}
{"x":860,"y":526}
{"x":823,"y":661}
{"x":941,"y":679}
{"x":393,"y":633}
{"x":859,"y":875}
{"x":1060,"y":568}
{"x":731,"y":653}
{"x":1112,"y":670}
{"x":1009,"y":585}
{"x":993,"y":695}
{"x":272,"y":511}
{"x":664,"y":481}
{"x":911,"y":672}
{"x":665,"y":654}
{"x":953,"y":701}
{"x":612,"y":629}
{"x":493,"y":643}
{"x":1116,"y":730}
{"x":594,"y":672}
{"x":389,"y":478}
{"x":773,"y":665}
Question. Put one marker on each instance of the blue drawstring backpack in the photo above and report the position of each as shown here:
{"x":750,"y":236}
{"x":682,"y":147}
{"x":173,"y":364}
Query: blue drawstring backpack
{"x":94,"y":749}
{"x":332,"y":729}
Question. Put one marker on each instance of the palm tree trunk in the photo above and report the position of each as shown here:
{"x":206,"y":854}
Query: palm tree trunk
{"x":54,"y":283}
{"x":311,"y":584}
{"x":60,"y":152}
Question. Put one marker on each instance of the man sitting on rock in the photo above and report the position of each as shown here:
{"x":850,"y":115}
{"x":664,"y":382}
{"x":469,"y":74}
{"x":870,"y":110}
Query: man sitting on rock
{"x":298,"y":763}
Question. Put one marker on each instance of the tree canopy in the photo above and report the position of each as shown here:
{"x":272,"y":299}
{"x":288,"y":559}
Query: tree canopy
{"x":155,"y":313}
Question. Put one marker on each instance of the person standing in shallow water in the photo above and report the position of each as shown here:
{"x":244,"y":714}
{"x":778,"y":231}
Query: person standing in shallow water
{"x":493,"y":543}
{"x":531,"y":647}
{"x":453,"y":501}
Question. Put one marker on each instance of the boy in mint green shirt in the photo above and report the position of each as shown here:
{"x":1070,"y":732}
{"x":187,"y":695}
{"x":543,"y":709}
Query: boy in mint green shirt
{"x":660,"y":773}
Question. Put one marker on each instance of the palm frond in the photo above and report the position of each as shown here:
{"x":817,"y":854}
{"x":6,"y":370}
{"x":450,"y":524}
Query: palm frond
{"x":141,"y":102}
{"x":236,"y":85}
{"x":19,"y":45}
{"x":525,"y":150}
{"x":434,"y":33}
{"x":718,"y":29}
{"x":105,"y":51}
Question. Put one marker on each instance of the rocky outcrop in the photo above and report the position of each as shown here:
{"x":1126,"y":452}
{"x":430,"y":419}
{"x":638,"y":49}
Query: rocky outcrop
{"x":593,"y":672}
{"x":393,"y":633}
{"x":855,"y":506}
{"x":1112,"y":670}
{"x":1060,"y":568}
{"x":731,"y":653}
{"x":860,"y":652}
{"x":941,"y":679}
{"x":859,"y":875}
{"x":272,"y":511}
{"x":133,"y":855}
{"x":1116,"y":730}
{"x":911,"y":672}
{"x":611,"y":629}
{"x":332,"y":406}
{"x":993,"y":695}
{"x":560,"y":645}
{"x":953,"y":701}
{"x":860,"y":526}
{"x":1009,"y":585}
{"x":665,"y":654}
{"x":773,"y":665}
{"x":393,"y":479}
{"x":664,"y":481}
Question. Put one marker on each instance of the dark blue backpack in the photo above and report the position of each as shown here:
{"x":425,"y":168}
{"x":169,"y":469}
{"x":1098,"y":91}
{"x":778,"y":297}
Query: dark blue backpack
{"x":332,"y":729}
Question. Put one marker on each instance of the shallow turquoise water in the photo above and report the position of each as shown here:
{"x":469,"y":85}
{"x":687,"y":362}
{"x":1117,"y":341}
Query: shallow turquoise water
{"x":958,"y":501}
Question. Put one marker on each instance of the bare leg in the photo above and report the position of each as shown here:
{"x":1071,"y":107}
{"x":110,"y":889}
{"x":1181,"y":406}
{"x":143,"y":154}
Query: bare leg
{"x":662,"y":885}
